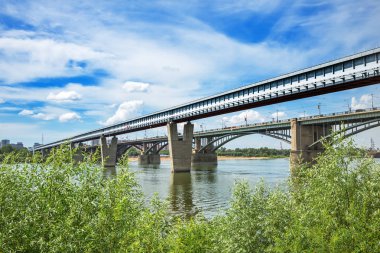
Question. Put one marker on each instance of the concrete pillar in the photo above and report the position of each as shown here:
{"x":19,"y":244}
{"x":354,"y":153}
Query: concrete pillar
{"x":77,"y":156}
{"x":204,"y":159}
{"x":108,"y":153}
{"x":144,"y":148}
{"x":149,"y":159}
{"x":180,"y":150}
{"x":198,"y":144}
{"x":146,"y":158}
{"x":302,"y":137}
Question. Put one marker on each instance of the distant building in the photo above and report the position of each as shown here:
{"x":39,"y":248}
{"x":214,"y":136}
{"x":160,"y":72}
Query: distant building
{"x":4,"y":143}
{"x":18,"y":145}
{"x":36,"y":144}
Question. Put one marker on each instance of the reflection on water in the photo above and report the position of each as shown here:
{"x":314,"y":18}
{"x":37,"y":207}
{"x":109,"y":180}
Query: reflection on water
{"x":181,"y":194}
{"x":206,"y":189}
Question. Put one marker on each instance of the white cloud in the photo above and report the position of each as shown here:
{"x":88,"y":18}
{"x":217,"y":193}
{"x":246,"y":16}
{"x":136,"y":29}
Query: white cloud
{"x":249,"y":115}
{"x":2,"y":101}
{"x":40,"y":58}
{"x":364,"y":102}
{"x":278,"y":114}
{"x":26,"y":112}
{"x":43,"y":116}
{"x":125,"y":111}
{"x":70,"y":116}
{"x":136,"y":86}
{"x":64,"y":96}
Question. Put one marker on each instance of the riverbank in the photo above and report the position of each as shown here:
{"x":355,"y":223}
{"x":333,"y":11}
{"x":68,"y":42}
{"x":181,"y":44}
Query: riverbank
{"x":220,"y":158}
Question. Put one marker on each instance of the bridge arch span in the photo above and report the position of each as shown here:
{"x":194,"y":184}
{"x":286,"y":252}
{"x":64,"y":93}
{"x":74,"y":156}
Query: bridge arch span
{"x":222,"y":140}
{"x":350,"y":130}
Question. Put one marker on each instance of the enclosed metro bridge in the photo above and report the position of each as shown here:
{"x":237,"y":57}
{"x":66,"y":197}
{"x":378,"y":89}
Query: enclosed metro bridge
{"x":350,"y":72}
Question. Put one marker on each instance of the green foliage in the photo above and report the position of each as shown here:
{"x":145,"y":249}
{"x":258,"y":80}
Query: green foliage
{"x":19,"y":155}
{"x":258,"y":152}
{"x":133,"y":152}
{"x":58,"y":205}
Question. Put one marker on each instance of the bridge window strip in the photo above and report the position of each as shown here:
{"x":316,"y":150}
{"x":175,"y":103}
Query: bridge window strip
{"x":347,"y":65}
{"x":328,"y":70}
{"x":338,"y":67}
{"x":358,"y":62}
{"x":370,"y":58}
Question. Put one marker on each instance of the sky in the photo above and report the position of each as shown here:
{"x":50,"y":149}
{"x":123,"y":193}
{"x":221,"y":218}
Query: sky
{"x":67,"y":67}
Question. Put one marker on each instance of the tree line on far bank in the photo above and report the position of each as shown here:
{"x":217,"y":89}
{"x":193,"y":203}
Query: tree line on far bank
{"x":256,"y":152}
{"x":238,"y":152}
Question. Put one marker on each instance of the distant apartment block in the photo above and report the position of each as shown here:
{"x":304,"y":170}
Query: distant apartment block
{"x":5,"y":142}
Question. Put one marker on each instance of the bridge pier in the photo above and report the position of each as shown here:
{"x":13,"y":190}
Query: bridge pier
{"x":77,"y":156}
{"x":302,"y":136}
{"x":204,"y":159}
{"x":148,"y":157}
{"x":180,"y":150}
{"x":108,"y":154}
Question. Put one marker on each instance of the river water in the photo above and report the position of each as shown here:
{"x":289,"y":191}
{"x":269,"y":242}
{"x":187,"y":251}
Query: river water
{"x":207,"y":189}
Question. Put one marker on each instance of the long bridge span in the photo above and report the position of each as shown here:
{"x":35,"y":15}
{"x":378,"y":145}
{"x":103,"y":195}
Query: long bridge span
{"x":304,"y":134}
{"x":346,"y":73}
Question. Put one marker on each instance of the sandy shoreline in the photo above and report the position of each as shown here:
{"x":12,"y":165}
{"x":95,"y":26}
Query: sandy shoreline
{"x":220,"y":158}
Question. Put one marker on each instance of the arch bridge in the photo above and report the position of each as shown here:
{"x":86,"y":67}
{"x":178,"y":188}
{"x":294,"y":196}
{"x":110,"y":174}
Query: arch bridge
{"x":305,"y":135}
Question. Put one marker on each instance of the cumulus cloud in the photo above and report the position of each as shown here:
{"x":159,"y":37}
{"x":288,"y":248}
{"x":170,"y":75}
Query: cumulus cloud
{"x":64,"y":96}
{"x":26,"y":113}
{"x":49,"y":58}
{"x":249,"y":115}
{"x":70,"y":116}
{"x":136,"y":86}
{"x":364,"y":102}
{"x":125,"y":111}
{"x":43,"y":116}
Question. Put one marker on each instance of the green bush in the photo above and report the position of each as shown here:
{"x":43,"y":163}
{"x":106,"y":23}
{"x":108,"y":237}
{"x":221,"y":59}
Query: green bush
{"x":57,"y":205}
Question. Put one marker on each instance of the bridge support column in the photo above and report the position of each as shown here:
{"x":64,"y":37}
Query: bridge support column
{"x":77,"y":156}
{"x":108,"y":153}
{"x":302,"y":137}
{"x":146,"y":157}
{"x":198,"y":144}
{"x":204,"y":159}
{"x":180,"y":150}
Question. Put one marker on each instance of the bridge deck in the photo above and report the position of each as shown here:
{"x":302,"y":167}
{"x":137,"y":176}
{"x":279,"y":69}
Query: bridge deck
{"x":350,"y":72}
{"x":333,"y":119}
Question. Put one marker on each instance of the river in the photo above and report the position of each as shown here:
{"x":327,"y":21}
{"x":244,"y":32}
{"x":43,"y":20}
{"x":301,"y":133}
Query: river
{"x":207,"y":189}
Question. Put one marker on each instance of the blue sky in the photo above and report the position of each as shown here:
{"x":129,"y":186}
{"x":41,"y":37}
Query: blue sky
{"x":71,"y":66}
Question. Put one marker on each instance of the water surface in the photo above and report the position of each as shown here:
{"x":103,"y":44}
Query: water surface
{"x":207,"y":189}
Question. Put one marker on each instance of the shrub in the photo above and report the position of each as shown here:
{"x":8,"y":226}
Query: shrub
{"x":57,"y":205}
